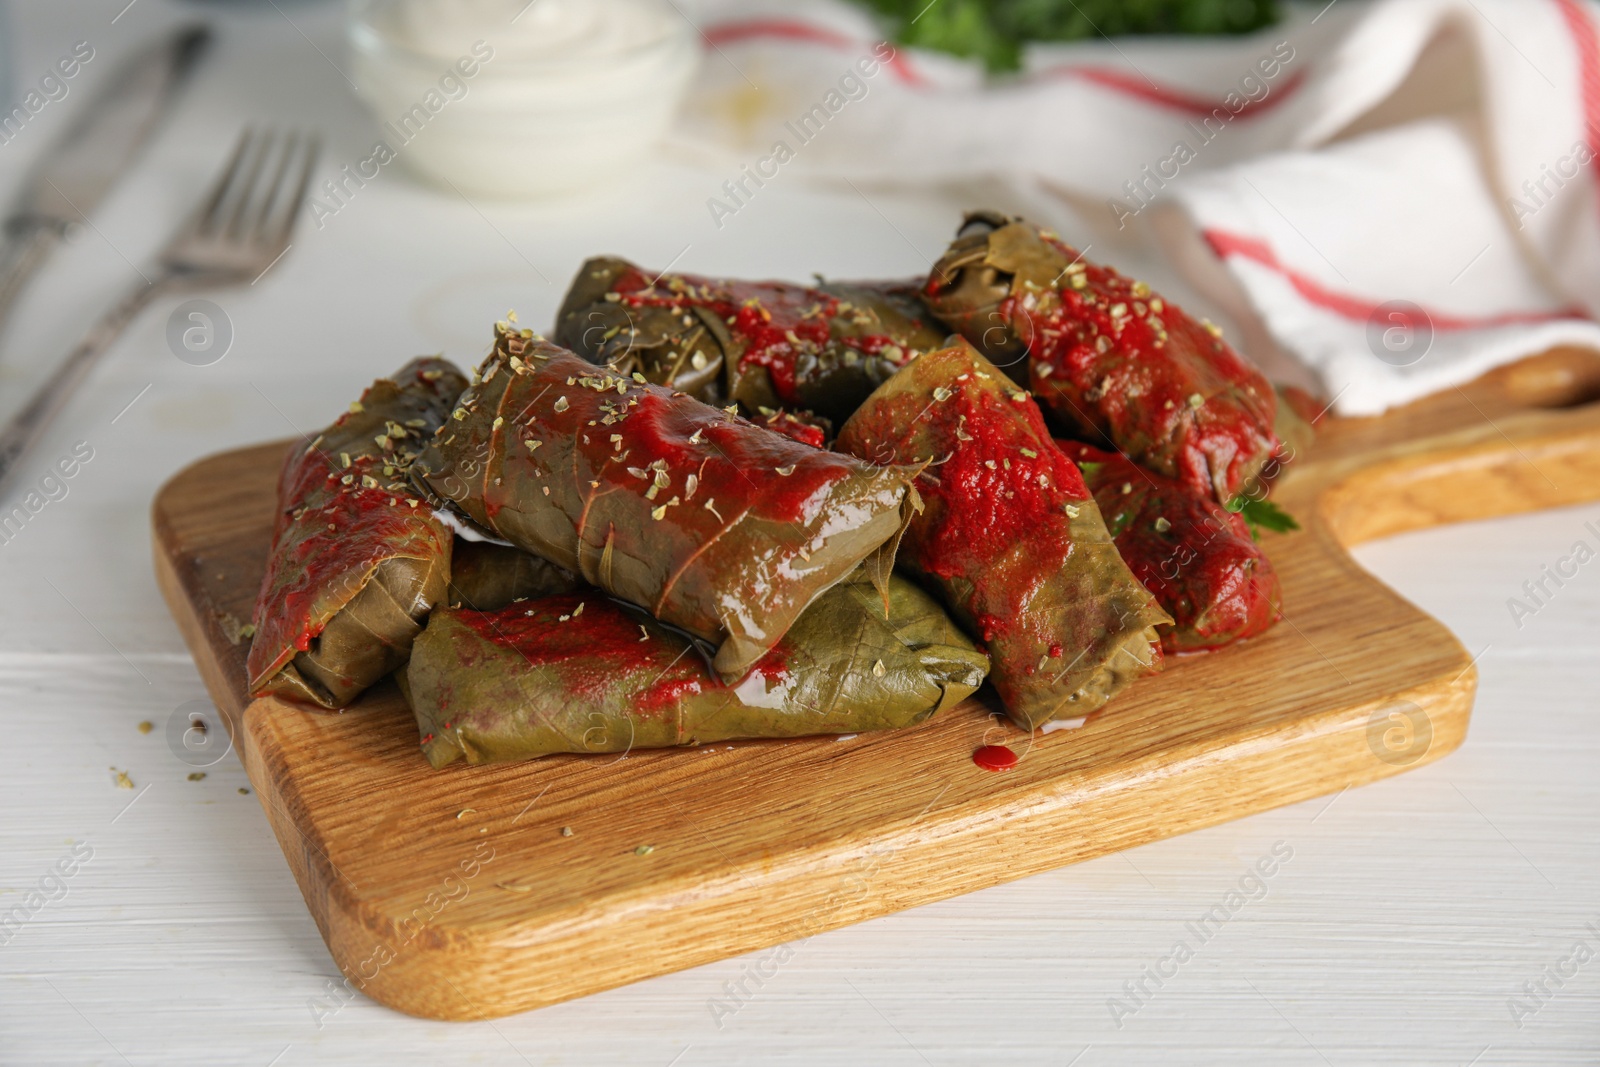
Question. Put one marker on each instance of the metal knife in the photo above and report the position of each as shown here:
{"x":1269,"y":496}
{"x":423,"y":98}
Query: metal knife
{"x":76,"y":172}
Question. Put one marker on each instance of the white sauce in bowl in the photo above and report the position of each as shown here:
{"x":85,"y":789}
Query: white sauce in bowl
{"x":508,"y":98}
{"x":563,"y":31}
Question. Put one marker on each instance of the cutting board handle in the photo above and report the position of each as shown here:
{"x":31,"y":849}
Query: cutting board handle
{"x":1521,"y":438}
{"x":1560,"y":378}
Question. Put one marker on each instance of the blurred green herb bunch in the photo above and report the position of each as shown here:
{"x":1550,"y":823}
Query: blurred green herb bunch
{"x":994,"y":31}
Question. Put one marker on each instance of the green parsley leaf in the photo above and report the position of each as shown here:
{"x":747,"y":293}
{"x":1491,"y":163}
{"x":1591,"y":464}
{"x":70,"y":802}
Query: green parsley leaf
{"x":1262,"y":515}
{"x":995,"y":31}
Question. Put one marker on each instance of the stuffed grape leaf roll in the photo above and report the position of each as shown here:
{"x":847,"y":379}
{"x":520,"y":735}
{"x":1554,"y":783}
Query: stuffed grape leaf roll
{"x":1010,"y":536}
{"x":1195,"y":556}
{"x":1106,"y":356}
{"x":709,"y":522}
{"x":761,"y":344}
{"x":357,"y":556}
{"x":581,"y":672}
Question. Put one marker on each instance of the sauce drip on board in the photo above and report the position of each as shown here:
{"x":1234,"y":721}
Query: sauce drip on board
{"x":995,"y":758}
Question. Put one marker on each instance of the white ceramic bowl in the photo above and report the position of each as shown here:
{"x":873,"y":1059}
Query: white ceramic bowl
{"x":565,"y":95}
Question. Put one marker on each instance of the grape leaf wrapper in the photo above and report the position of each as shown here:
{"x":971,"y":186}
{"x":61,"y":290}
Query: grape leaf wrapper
{"x":1010,"y":536}
{"x":582,"y":672}
{"x":1195,"y":556}
{"x":485,"y":576}
{"x":357,"y":556}
{"x":1109,"y":359}
{"x":706,"y":520}
{"x":766,"y":345}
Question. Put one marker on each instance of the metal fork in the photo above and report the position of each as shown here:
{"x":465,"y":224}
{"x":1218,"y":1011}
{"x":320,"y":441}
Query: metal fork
{"x":240,"y":229}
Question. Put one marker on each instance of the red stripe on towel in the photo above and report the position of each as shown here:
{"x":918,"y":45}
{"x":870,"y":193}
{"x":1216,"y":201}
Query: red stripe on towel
{"x":1177,"y":99}
{"x":1360,"y":309}
{"x":1584,"y":37}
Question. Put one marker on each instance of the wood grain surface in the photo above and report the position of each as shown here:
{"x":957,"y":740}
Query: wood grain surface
{"x":454,"y":894}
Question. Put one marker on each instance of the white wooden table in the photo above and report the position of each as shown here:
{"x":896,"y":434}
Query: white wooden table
{"x":1403,"y":928}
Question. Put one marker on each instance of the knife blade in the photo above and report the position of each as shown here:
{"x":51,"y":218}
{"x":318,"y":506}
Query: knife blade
{"x":77,"y":171}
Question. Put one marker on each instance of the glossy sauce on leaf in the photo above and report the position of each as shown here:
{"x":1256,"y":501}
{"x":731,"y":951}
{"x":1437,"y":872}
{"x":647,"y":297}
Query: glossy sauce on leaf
{"x":709,"y":522}
{"x":1196,"y":557}
{"x":357,"y":557}
{"x":584,"y":673}
{"x":1010,"y":536}
{"x":766,"y":345}
{"x":1106,"y":356}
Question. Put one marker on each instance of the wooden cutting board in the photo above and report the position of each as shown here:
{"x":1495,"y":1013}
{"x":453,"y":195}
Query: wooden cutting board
{"x":456,"y":894}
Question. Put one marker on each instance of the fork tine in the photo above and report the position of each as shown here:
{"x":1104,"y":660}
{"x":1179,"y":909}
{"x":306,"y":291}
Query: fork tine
{"x":244,"y":224}
{"x":313,"y":147}
{"x":206,"y":216}
{"x":270,"y":198}
{"x":252,"y":173}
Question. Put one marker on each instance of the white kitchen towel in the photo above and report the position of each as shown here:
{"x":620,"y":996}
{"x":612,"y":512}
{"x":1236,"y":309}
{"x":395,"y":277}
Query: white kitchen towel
{"x":1403,"y":193}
